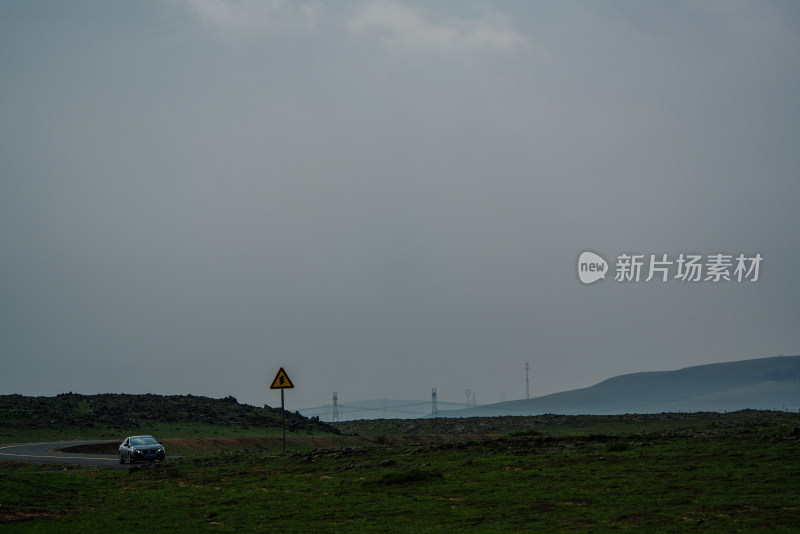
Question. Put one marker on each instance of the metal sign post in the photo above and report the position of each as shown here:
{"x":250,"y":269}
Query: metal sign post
{"x":281,"y":382}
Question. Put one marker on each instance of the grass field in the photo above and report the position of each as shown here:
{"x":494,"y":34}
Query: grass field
{"x":725,"y":474}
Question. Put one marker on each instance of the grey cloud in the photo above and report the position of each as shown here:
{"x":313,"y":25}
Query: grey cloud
{"x":181,"y":215}
{"x":408,"y":28}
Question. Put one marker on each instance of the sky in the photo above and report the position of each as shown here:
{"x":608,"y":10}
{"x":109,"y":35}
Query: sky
{"x":386,"y":196}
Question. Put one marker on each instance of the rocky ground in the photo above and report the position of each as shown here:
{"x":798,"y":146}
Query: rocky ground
{"x":555,"y":424}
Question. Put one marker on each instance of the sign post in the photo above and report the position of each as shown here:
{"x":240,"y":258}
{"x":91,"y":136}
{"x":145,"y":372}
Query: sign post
{"x":281,"y":382}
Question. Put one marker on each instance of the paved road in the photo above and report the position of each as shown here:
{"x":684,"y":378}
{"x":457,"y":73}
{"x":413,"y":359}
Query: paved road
{"x":45,"y":453}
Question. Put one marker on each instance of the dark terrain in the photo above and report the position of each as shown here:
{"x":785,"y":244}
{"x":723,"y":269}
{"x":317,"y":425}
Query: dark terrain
{"x":124,"y":412}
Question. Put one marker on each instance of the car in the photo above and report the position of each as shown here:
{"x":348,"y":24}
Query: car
{"x":145,"y":448}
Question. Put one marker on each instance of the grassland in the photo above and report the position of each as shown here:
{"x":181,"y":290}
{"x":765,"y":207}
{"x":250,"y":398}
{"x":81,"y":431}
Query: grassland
{"x":711,"y":472}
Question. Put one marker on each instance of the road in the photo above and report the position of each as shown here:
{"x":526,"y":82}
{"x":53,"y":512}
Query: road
{"x":45,"y":453}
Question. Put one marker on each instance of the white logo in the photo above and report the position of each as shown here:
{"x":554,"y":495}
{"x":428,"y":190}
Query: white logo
{"x":683,"y":267}
{"x":591,"y":267}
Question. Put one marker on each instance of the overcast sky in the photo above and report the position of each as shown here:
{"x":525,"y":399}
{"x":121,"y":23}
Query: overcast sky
{"x":388,"y":196}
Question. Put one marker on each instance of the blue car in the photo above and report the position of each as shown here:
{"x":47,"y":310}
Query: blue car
{"x":144,"y":448}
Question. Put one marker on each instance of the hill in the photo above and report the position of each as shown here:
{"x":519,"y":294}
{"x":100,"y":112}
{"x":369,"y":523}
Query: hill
{"x":763,"y":383}
{"x":121,"y":412}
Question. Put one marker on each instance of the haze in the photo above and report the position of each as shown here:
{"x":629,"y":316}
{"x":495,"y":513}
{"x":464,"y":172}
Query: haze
{"x":384,"y":196}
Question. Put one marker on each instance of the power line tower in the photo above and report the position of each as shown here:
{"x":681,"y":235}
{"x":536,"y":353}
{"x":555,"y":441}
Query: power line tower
{"x":467,"y":392}
{"x":527,"y":384}
{"x":434,"y":406}
{"x":335,"y":416}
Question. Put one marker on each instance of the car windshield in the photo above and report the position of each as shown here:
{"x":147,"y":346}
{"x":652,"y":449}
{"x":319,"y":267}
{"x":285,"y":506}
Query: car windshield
{"x":146,"y":440}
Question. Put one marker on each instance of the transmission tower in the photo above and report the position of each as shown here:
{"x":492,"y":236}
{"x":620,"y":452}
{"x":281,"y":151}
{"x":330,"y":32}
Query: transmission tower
{"x":527,"y":384}
{"x":434,"y":406}
{"x":467,"y":392}
{"x":335,"y":416}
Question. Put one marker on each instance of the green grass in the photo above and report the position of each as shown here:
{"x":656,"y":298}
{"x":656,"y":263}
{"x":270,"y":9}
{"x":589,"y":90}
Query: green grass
{"x":712,"y":477}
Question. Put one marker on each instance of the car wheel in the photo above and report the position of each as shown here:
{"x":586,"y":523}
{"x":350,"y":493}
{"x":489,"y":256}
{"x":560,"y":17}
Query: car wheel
{"x":130,"y":460}
{"x":121,"y":459}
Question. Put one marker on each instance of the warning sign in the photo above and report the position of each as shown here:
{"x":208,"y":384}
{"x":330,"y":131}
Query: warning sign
{"x":281,"y":381}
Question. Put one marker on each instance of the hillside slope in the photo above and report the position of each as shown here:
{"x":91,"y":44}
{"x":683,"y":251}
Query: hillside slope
{"x":114,"y":410}
{"x":763,"y":383}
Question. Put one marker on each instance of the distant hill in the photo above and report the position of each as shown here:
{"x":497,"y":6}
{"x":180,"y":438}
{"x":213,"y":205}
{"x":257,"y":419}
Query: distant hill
{"x":115,"y":410}
{"x":764,"y":383}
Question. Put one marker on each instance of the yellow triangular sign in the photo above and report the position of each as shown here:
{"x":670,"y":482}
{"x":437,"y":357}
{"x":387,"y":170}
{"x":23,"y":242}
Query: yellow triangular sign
{"x":282,"y":381}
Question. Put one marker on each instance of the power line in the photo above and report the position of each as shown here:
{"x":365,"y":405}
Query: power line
{"x":527,"y":384}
